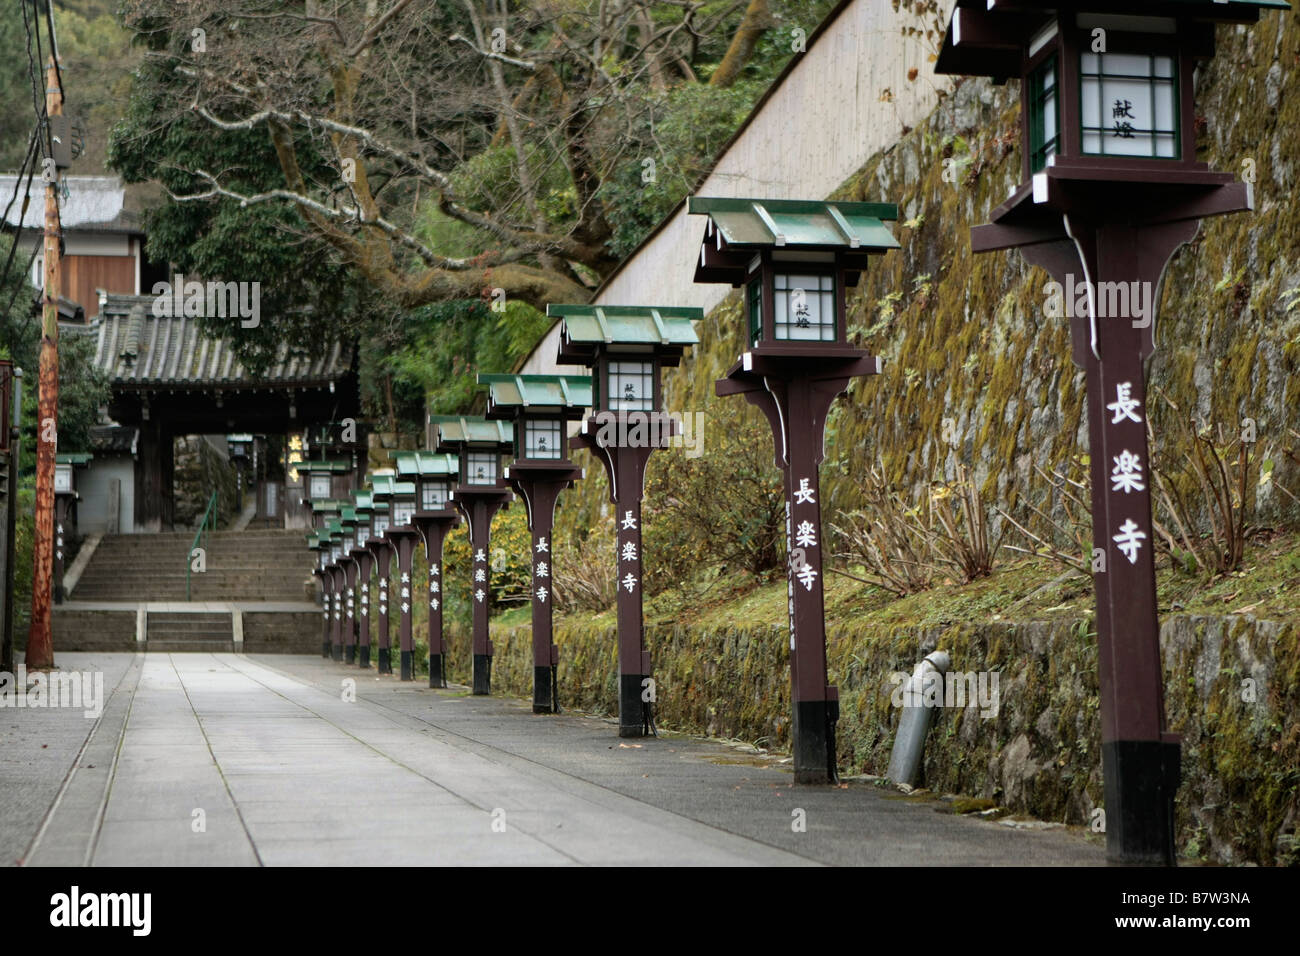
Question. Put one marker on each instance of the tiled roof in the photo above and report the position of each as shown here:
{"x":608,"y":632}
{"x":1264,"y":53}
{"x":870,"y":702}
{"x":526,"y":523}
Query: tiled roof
{"x":135,"y":347}
{"x":114,"y":438}
{"x":92,"y":204}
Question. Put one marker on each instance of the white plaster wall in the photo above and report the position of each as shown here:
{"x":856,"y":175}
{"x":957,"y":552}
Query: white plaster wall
{"x":93,"y":486}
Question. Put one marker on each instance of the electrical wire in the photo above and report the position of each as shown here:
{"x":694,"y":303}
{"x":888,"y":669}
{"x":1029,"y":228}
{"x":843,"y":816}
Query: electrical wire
{"x":30,"y":166}
{"x":22,"y":214}
{"x":54,"y":45}
{"x":38,"y":101}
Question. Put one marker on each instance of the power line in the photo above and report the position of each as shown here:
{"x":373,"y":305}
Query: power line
{"x":54,"y":44}
{"x":38,"y":101}
{"x":22,"y":214}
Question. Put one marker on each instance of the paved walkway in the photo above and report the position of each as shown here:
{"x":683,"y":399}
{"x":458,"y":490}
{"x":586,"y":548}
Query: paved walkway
{"x":222,"y":759}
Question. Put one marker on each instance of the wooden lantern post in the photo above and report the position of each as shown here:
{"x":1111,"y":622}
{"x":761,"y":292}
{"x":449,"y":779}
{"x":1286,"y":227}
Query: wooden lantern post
{"x":401,"y":537}
{"x":349,"y":519}
{"x":338,"y":582}
{"x":626,"y":347}
{"x":322,"y":511}
{"x":318,"y":542}
{"x":363,"y":559}
{"x":434,"y":516}
{"x":1111,"y":188}
{"x":479,"y":493}
{"x":796,"y":261}
{"x":381,"y":558}
{"x":540,"y":408}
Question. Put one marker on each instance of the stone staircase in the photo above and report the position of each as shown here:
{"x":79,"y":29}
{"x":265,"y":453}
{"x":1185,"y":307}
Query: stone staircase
{"x":254,"y":565}
{"x":189,"y":631}
{"x":255,"y":594}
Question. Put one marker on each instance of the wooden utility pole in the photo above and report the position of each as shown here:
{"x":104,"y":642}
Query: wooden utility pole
{"x":40,"y":643}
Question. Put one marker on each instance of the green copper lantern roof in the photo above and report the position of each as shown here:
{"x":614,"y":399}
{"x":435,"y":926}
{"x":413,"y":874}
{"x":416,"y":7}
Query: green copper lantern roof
{"x":384,"y":487}
{"x":541,"y":391}
{"x":323,"y":467}
{"x":628,"y":324}
{"x":424,"y":464}
{"x":362,"y":501}
{"x":458,"y":430}
{"x":347,"y":515}
{"x":798,"y":223}
{"x":334,"y":529}
{"x":325,"y":505}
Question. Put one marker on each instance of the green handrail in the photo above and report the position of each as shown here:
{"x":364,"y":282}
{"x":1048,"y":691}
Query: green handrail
{"x":200,"y":536}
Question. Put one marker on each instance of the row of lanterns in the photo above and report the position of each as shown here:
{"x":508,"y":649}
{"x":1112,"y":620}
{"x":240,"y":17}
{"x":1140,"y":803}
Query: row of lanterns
{"x":795,"y":260}
{"x":1111,"y":187}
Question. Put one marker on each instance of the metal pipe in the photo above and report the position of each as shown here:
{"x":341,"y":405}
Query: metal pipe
{"x":914,"y":724}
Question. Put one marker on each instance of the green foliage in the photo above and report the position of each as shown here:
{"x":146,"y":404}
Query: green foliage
{"x":682,"y":133}
{"x":490,"y":180}
{"x":437,"y":351}
{"x":82,"y":389}
{"x":17,"y":114}
{"x":721,"y":513}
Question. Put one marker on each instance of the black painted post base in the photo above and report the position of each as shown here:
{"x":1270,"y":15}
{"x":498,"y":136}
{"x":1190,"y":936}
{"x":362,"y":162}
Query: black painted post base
{"x":350,"y":654}
{"x":542,"y":703}
{"x":406,"y":664}
{"x":482,"y":674}
{"x":325,"y":649}
{"x":436,"y":678}
{"x":336,"y":652}
{"x":385,"y":665}
{"x":1140,"y":779}
{"x":633,"y":710}
{"x":363,"y":660}
{"x":814,"y":741}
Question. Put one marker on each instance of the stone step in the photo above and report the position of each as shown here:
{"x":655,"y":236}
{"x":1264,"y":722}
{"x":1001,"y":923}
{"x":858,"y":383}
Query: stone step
{"x":203,"y":627}
{"x":168,"y":646}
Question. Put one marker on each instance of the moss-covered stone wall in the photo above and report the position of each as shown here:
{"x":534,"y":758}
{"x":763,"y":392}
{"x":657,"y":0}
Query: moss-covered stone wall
{"x":1040,"y":754}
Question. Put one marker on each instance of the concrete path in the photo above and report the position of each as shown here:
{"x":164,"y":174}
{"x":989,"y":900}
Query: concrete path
{"x":222,"y":759}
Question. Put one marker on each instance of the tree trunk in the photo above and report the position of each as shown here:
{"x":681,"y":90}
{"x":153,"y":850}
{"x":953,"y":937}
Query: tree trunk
{"x":40,"y":641}
{"x":756,"y":21}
